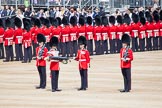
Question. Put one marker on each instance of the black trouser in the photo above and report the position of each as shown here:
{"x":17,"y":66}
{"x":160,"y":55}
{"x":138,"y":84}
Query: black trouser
{"x":98,"y":47}
{"x":42,"y":75}
{"x":18,"y":51}
{"x":54,"y":79}
{"x":160,"y":42}
{"x":104,"y":46}
{"x":27,"y":54}
{"x":65,"y":49}
{"x":34,"y":48}
{"x":73,"y":48}
{"x":90,"y":46}
{"x":9,"y":53}
{"x":155,"y":43}
{"x":1,"y":50}
{"x":126,"y":72}
{"x":84,"y":78}
{"x":119,"y":45}
{"x":149,"y":44}
{"x":142,"y":44}
{"x":47,"y":46}
{"x":112,"y":46}
{"x":134,"y":44}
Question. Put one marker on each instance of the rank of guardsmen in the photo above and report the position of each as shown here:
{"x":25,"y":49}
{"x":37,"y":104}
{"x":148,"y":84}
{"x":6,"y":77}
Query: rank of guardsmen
{"x":103,"y":35}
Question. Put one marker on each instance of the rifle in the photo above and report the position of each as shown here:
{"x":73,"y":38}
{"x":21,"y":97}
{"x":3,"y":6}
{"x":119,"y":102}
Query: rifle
{"x":41,"y":51}
{"x":125,"y":55}
{"x":63,"y":59}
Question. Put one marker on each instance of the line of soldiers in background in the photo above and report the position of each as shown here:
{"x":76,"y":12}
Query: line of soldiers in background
{"x":145,"y":30}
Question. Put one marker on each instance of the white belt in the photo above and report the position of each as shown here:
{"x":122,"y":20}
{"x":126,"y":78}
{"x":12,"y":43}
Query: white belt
{"x":1,"y":36}
{"x":18,"y":36}
{"x":65,"y":35}
{"x":89,"y":33}
{"x":135,"y":30}
{"x":82,"y":60}
{"x":156,"y":30}
{"x":56,"y":35}
{"x":160,"y":29}
{"x":149,"y":31}
{"x":81,"y":34}
{"x":73,"y":34}
{"x":127,"y":32}
{"x":104,"y":33}
{"x":9,"y":38}
{"x":47,"y":36}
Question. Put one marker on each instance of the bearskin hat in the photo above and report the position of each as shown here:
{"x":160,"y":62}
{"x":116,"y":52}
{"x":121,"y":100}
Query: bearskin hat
{"x":147,"y":13}
{"x":156,"y":17}
{"x":42,"y":20}
{"x":112,"y":19}
{"x":41,"y":38}
{"x":89,"y":20}
{"x":161,"y":15}
{"x":65,"y":20}
{"x":59,"y":21}
{"x":27,"y":25}
{"x":55,"y":22}
{"x":104,"y":21}
{"x":119,"y":19}
{"x":141,"y":14}
{"x":18,"y":22}
{"x":155,"y":12}
{"x":135,"y":18}
{"x":33,"y":20}
{"x":149,"y":19}
{"x":37,"y":23}
{"x":82,"y":41}
{"x":8,"y":22}
{"x":125,"y":38}
{"x":53,"y":41}
{"x":51,"y":20}
{"x":81,"y":20}
{"x":47,"y":23}
{"x":143,"y":20}
{"x":73,"y":20}
{"x":1,"y":23}
{"x":127,"y":19}
{"x":97,"y":20}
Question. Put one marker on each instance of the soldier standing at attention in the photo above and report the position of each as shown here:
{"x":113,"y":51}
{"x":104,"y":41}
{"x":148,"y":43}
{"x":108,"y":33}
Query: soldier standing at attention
{"x":126,"y":56}
{"x":84,"y":62}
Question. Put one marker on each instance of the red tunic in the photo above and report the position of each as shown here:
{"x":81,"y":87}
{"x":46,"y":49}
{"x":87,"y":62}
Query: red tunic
{"x":27,"y":41}
{"x":56,"y":32}
{"x":73,"y":33}
{"x":46,"y":32}
{"x":130,"y":55}
{"x":32,"y":33}
{"x":160,"y":28}
{"x":83,"y":58}
{"x":36,"y":32}
{"x":156,"y":29}
{"x":65,"y":34}
{"x":41,"y":62}
{"x":89,"y":32}
{"x":112,"y":32}
{"x":127,"y":29}
{"x":149,"y":29}
{"x":142,"y":31}
{"x":97,"y":33}
{"x":119,"y":30}
{"x":135,"y":30}
{"x":81,"y":31}
{"x":18,"y":36}
{"x":1,"y":34}
{"x":54,"y":65}
{"x":104,"y":32}
{"x":8,"y":37}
